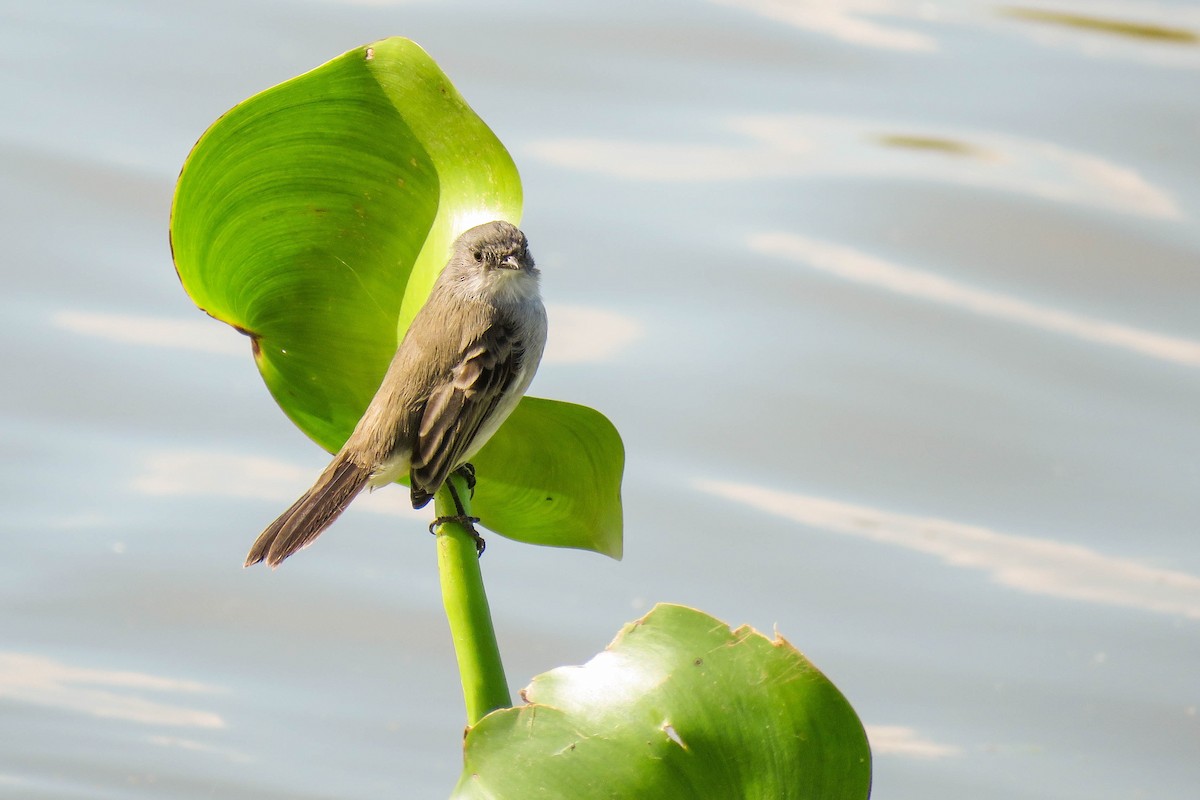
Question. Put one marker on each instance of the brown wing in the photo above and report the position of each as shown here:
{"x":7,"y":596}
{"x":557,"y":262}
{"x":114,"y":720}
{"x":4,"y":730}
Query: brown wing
{"x":460,"y":404}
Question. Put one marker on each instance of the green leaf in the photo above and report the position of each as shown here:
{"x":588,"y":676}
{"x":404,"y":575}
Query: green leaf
{"x":569,"y":485}
{"x":678,"y":705}
{"x":315,"y":217}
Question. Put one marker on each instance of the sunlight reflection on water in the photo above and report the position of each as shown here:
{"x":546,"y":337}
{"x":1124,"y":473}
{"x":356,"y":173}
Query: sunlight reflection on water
{"x":101,"y":693}
{"x":1120,"y":29}
{"x":1037,"y":565}
{"x":806,"y":146}
{"x":854,"y":265}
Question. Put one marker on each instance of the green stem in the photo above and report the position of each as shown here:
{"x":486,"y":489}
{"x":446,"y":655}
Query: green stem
{"x":479,"y":666}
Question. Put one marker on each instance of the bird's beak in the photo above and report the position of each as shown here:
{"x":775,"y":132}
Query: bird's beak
{"x":511,"y":262}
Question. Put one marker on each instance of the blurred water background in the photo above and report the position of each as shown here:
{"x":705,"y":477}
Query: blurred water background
{"x":894,"y":303}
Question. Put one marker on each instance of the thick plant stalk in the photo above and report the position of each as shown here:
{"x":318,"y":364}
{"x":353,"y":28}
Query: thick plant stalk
{"x":484,"y":686}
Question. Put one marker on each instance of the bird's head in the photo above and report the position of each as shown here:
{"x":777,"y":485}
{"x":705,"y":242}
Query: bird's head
{"x":494,"y":259}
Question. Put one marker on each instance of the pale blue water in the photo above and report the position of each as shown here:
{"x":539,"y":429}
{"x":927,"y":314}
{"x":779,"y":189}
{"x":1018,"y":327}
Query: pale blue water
{"x":895,"y":305}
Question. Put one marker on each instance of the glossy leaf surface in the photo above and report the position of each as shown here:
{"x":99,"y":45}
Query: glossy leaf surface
{"x":678,"y":705}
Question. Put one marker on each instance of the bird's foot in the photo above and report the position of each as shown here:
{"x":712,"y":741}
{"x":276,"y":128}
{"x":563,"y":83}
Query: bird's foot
{"x":466,"y":522}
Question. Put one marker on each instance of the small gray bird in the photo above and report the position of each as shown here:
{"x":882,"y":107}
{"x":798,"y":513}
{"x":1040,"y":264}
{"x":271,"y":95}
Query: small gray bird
{"x":459,"y":371}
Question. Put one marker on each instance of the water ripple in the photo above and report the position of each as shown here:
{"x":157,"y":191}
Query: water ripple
{"x":111,"y":694}
{"x":1038,"y":566}
{"x":855,"y":265}
{"x":782,"y":146}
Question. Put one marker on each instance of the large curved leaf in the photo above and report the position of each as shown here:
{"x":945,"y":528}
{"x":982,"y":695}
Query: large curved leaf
{"x":678,"y":705}
{"x":315,"y":217}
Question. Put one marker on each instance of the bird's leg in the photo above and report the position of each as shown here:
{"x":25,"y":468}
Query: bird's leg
{"x":461,"y":517}
{"x":467,"y":473}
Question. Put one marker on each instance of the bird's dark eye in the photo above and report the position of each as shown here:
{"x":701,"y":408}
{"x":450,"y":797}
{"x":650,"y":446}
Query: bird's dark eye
{"x":478,"y":256}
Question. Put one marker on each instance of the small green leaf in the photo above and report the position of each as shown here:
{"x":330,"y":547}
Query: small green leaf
{"x":678,"y":705}
{"x":315,"y":217}
{"x":568,"y":492}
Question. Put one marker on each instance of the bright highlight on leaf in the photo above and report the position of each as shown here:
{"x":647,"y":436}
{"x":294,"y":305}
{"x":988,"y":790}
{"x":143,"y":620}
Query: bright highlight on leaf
{"x":678,"y":705}
{"x":315,"y":217}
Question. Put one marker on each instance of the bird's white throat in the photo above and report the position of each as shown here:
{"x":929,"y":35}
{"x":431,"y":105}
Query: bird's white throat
{"x":501,"y":286}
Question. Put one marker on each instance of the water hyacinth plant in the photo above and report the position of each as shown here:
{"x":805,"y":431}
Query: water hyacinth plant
{"x":314,"y":217}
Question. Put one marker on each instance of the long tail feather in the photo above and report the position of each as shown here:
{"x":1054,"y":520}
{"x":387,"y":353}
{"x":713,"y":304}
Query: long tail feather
{"x":315,"y":511}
